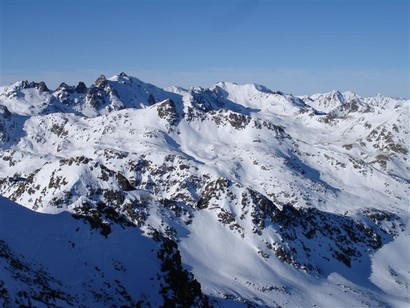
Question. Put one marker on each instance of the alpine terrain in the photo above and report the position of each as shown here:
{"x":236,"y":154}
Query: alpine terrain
{"x":127,"y":194}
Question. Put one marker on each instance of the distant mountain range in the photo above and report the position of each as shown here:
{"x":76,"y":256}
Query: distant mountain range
{"x":230,"y":196}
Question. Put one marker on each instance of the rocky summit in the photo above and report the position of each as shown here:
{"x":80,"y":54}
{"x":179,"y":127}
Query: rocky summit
{"x":230,"y":196}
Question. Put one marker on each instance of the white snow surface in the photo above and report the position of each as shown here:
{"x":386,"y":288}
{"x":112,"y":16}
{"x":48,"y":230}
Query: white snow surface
{"x":78,"y":260}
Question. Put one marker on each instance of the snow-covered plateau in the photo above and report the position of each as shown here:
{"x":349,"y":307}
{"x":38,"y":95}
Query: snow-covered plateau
{"x":127,"y":194}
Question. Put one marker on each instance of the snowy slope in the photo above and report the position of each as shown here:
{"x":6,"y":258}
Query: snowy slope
{"x":269,"y":198}
{"x":57,"y":260}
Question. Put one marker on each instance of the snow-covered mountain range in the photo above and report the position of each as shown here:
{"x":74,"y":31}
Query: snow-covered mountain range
{"x":227,"y":196}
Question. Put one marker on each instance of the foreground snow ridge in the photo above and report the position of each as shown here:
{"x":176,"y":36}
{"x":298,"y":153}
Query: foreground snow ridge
{"x":230,"y":196}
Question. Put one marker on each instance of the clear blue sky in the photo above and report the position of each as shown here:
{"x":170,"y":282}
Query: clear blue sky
{"x":297,"y":46}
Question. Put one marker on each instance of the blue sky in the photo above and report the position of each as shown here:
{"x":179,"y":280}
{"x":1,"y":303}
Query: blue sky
{"x":300,"y":47}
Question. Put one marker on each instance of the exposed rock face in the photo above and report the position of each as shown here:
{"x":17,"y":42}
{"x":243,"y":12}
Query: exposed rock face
{"x":41,"y":86}
{"x":81,"y":88}
{"x":167,"y":111}
{"x":101,"y":82}
{"x":350,"y":239}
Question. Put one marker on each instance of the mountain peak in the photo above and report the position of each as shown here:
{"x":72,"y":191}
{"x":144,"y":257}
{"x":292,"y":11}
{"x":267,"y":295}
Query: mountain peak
{"x":81,"y":88}
{"x":121,"y":77}
{"x":100,"y":81}
{"x":62,"y":85}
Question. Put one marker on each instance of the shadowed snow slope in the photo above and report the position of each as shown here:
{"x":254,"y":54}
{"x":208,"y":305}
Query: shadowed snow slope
{"x":57,"y":260}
